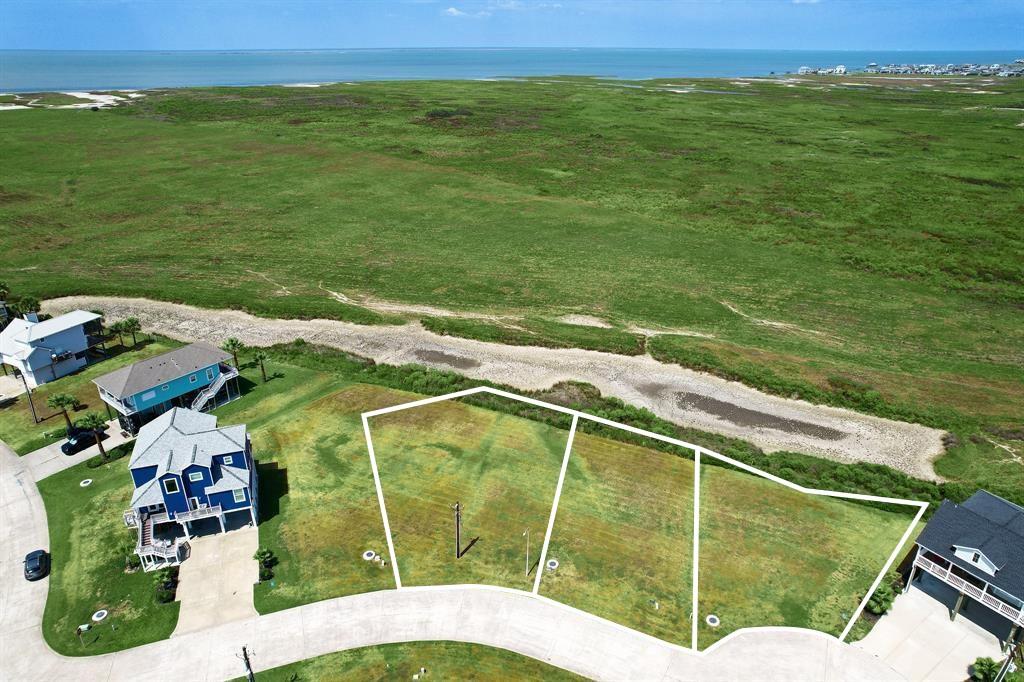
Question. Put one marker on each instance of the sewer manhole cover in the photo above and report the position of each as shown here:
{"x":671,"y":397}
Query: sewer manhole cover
{"x":369,"y":555}
{"x":713,"y":620}
{"x":552,"y":564}
{"x":99,"y":615}
{"x":85,"y":482}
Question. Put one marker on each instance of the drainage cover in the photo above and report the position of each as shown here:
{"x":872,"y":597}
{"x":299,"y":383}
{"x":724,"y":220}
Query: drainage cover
{"x":552,"y":564}
{"x":85,"y":482}
{"x":369,"y":555}
{"x":713,"y":620}
{"x":99,"y":615}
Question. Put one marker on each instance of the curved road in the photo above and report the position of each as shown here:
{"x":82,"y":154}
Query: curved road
{"x":672,"y":392}
{"x":509,"y":619}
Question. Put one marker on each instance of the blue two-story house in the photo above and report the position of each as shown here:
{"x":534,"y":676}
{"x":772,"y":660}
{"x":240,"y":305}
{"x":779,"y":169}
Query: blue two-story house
{"x":188,"y":473}
{"x":196,"y":376}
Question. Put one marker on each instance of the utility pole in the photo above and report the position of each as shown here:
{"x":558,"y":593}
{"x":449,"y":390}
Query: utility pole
{"x":248,"y":666}
{"x":527,"y":534}
{"x":28,"y":392}
{"x":458,"y":529}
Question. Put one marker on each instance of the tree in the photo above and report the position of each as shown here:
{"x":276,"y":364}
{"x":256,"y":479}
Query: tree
{"x":118,"y":328}
{"x":24,"y":305}
{"x":95,"y":422}
{"x":234,"y":346}
{"x":63,"y":402}
{"x":985,"y":669}
{"x":5,"y":291}
{"x":131,"y":326}
{"x":260,"y":356}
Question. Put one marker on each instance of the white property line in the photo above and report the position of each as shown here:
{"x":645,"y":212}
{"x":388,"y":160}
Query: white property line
{"x":697,"y":450}
{"x":554,"y":505}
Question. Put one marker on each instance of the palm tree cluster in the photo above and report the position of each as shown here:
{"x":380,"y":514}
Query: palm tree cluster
{"x":129,"y":325}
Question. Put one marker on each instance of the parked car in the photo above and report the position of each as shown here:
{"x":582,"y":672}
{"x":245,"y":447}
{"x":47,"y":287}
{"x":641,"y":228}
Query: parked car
{"x":79,"y":441}
{"x":37,"y":565}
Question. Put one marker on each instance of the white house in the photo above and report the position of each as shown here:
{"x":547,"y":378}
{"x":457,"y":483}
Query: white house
{"x":45,"y":351}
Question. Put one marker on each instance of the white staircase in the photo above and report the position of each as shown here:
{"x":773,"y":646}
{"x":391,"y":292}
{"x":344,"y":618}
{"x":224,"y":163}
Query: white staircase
{"x":207,"y":393}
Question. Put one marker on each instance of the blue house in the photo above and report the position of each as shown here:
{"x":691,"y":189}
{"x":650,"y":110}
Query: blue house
{"x":195,"y":376}
{"x":190,"y":477}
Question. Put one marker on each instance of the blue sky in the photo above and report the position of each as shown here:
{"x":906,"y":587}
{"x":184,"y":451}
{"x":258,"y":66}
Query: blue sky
{"x":281,"y":24}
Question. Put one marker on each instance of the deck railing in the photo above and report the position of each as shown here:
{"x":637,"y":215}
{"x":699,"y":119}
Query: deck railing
{"x":195,"y":514}
{"x":982,"y":595}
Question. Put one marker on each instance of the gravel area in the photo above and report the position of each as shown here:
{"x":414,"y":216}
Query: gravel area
{"x":680,"y":395}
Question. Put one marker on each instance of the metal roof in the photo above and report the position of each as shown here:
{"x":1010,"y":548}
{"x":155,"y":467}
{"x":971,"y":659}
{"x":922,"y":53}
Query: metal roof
{"x":17,"y":338}
{"x":160,"y":369}
{"x":989,"y":524}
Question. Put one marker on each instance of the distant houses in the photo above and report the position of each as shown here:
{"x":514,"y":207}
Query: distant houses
{"x":971,"y":555}
{"x":46,"y":350}
{"x":190,"y":477}
{"x":196,"y":376}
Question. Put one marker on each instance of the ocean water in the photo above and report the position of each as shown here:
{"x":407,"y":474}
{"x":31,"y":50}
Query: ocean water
{"x":38,"y":70}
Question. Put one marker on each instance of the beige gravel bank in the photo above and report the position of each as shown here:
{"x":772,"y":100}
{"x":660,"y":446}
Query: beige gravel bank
{"x":680,"y":395}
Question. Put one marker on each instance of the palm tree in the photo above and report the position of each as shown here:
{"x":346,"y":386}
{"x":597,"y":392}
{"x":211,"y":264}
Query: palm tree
{"x":131,"y":326}
{"x":234,"y":346}
{"x":95,"y":422}
{"x":260,"y":356}
{"x":63,"y":402}
{"x":25,"y":304}
{"x":118,"y":328}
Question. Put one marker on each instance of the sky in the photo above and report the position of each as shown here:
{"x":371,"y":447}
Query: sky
{"x":292,"y":24}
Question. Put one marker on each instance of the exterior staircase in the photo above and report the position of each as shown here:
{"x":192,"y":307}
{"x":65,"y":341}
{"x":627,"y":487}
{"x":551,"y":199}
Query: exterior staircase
{"x":146,"y":532}
{"x":226,"y":374}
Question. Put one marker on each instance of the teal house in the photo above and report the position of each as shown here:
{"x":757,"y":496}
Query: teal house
{"x":197,"y":377}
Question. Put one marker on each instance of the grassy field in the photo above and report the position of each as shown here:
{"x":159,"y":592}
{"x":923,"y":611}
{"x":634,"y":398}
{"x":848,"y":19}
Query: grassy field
{"x":502,"y":469}
{"x":17,"y":428}
{"x":624,"y":537}
{"x":773,"y":556}
{"x":88,"y":543}
{"x":443,"y":661}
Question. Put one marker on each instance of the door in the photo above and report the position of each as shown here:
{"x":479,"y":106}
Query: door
{"x":193,"y":503}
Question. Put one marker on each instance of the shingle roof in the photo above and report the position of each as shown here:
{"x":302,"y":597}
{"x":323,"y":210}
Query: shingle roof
{"x":147,"y":494}
{"x":231,"y":479}
{"x":180,"y":438}
{"x":160,"y":369}
{"x":989,"y":524}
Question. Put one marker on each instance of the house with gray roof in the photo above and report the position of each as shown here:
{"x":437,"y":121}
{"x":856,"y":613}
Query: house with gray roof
{"x":188,"y":473}
{"x":196,"y":376}
{"x":976,"y":549}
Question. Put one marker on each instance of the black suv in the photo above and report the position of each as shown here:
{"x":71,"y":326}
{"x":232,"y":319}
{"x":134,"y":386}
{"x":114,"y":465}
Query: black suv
{"x":37,"y":565}
{"x":77,"y":442}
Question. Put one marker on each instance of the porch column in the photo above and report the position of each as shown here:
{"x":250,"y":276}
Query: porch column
{"x":220,"y":517}
{"x":959,"y":605}
{"x":914,"y":568}
{"x":252,"y":515}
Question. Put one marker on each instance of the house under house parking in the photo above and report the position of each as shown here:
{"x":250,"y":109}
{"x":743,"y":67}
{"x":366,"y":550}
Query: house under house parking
{"x":187,"y":472}
{"x":196,"y":376}
{"x":973,"y":553}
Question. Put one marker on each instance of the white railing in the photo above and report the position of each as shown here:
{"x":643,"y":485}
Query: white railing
{"x":131,"y":520}
{"x":195,"y":514}
{"x":982,"y":595}
{"x":207,"y":393}
{"x":122,"y":407}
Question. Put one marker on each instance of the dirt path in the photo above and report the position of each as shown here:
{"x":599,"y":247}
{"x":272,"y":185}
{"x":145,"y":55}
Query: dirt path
{"x":672,"y":392}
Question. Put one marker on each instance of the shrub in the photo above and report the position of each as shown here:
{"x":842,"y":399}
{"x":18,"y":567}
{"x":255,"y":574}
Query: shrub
{"x":882,"y":599}
{"x":984,"y":669}
{"x":266,"y":574}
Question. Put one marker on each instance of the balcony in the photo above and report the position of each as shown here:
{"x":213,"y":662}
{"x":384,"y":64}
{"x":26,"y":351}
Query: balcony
{"x":196,"y":514}
{"x":122,"y":407}
{"x":947,"y":576}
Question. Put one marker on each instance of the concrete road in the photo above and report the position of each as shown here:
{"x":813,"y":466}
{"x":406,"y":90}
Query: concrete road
{"x":918,"y":640}
{"x":508,"y":619}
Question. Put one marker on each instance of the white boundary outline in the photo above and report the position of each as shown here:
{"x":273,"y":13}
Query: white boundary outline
{"x":698,"y":452}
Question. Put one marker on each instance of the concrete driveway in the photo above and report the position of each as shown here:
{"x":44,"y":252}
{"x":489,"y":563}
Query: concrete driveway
{"x":920,"y":642}
{"x":215,"y":582}
{"x":48,"y":459}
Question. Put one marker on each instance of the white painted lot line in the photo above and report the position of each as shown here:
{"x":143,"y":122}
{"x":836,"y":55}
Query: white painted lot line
{"x":696,"y":547}
{"x":697,"y":450}
{"x":554,"y":505}
{"x":380,"y":500}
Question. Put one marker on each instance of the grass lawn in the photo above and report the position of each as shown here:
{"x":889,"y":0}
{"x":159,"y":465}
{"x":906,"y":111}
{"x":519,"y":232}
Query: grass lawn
{"x":443,"y":661}
{"x":624,"y":537}
{"x":770,"y":555}
{"x":88,"y":541}
{"x":16,"y":426}
{"x":502,"y":469}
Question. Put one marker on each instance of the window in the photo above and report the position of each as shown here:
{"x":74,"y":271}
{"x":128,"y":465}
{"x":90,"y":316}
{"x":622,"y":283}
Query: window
{"x":229,"y":459}
{"x":192,"y":379}
{"x":148,"y":395}
{"x":171,"y":486}
{"x":209,"y":373}
{"x":195,"y":476}
{"x":975,"y":557}
{"x":238,"y":495}
{"x":165,"y":387}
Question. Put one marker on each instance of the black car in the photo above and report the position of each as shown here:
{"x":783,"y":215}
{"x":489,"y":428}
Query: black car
{"x":78,"y":441}
{"x":37,"y":565}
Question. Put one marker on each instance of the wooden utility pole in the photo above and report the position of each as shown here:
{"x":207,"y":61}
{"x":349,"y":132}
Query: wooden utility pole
{"x":248,"y":666}
{"x":458,"y":529}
